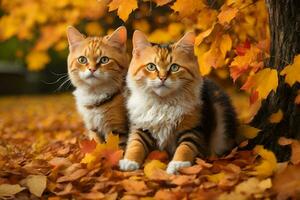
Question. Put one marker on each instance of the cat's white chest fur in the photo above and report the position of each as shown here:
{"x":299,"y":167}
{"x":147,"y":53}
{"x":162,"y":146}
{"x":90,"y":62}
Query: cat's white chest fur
{"x":94,"y":117}
{"x":160,"y":118}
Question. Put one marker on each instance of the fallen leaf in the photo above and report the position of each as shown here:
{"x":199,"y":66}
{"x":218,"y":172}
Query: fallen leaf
{"x":216,"y":178}
{"x":153,"y":165}
{"x":248,"y":189}
{"x":286,"y":183}
{"x":162,"y":156}
{"x":8,"y":190}
{"x":268,"y":163}
{"x":183,"y":180}
{"x":36,"y":184}
{"x":135,"y":187}
{"x":74,"y":176}
{"x":87,"y":146}
{"x":195,"y":169}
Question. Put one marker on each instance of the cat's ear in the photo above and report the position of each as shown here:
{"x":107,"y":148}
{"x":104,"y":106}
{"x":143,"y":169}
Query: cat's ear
{"x":74,"y":36}
{"x":139,"y":40}
{"x":118,"y":37}
{"x":186,"y":42}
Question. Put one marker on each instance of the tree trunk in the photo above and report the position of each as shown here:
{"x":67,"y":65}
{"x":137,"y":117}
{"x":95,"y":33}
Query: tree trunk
{"x":284,"y":19}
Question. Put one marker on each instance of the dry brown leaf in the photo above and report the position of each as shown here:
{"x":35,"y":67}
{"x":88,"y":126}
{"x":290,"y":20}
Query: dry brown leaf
{"x":195,"y":169}
{"x":36,"y":184}
{"x":74,"y":176}
{"x":287,"y":183}
{"x":182,"y":179}
{"x":135,"y":187}
{"x":8,"y":190}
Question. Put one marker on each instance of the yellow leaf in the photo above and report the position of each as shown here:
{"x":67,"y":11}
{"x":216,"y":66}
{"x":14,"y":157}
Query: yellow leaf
{"x":248,"y":189}
{"x":268,"y":164}
{"x":185,"y":8}
{"x":125,"y":7}
{"x":142,"y":25}
{"x":88,"y":158}
{"x":227,"y":14}
{"x":226,"y":44}
{"x":263,"y":82}
{"x":36,"y":60}
{"x":151,"y":166}
{"x":276,"y":117}
{"x":162,"y":2}
{"x":109,"y":150}
{"x":216,"y":177}
{"x":93,"y":28}
{"x":292,"y":72}
{"x":36,"y":184}
{"x":205,"y":69}
{"x":248,"y":131}
{"x":203,"y":35}
{"x":7,"y":190}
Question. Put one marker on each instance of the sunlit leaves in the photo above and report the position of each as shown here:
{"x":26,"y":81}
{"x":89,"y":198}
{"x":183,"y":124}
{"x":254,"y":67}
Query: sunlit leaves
{"x":37,"y":59}
{"x":43,"y":23}
{"x":226,"y":44}
{"x":292,"y":71}
{"x":186,"y":9}
{"x":125,"y":7}
{"x":227,"y":14}
{"x":263,"y":82}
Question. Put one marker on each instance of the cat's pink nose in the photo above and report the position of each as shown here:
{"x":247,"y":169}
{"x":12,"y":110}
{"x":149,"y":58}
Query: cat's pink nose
{"x":92,"y":70}
{"x":163,"y":79}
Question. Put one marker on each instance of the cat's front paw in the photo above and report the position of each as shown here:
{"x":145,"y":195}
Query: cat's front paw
{"x":128,"y":165}
{"x":174,"y":166}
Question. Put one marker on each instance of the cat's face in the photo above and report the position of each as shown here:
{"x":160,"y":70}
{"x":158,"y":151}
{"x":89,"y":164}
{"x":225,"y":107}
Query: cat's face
{"x":163,"y":70}
{"x":97,"y":61}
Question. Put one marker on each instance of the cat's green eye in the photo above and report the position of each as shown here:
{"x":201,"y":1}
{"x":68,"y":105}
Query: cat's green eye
{"x":104,"y":60}
{"x":82,"y":60}
{"x":174,"y":68}
{"x":151,"y":67}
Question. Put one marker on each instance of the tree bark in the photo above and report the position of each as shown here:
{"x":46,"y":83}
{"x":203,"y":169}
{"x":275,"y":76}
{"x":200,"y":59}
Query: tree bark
{"x":284,"y":19}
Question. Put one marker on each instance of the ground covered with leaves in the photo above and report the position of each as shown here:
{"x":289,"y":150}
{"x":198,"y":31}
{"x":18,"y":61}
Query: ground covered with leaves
{"x":45,"y":155}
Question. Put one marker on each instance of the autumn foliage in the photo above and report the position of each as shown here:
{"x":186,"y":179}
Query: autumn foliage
{"x":46,"y":155}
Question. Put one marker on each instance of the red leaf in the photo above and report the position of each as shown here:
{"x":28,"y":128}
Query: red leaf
{"x":87,"y":146}
{"x":158,"y":155}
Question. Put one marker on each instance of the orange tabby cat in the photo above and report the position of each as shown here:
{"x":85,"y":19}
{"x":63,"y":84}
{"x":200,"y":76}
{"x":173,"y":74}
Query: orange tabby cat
{"x":97,"y":67}
{"x":171,"y":107}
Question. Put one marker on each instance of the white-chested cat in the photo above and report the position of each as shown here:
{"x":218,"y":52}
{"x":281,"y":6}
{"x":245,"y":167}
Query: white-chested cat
{"x":97,"y":67}
{"x":171,"y":107}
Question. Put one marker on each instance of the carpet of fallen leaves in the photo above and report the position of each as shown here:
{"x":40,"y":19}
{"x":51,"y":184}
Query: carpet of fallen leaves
{"x":45,"y":155}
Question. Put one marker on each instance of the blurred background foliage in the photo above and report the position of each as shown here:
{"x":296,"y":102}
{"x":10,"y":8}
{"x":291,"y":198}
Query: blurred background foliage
{"x":232,"y":36}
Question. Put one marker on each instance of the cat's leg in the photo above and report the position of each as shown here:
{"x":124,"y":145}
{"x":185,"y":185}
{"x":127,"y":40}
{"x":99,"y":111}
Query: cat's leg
{"x":186,"y":151}
{"x":139,"y":145}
